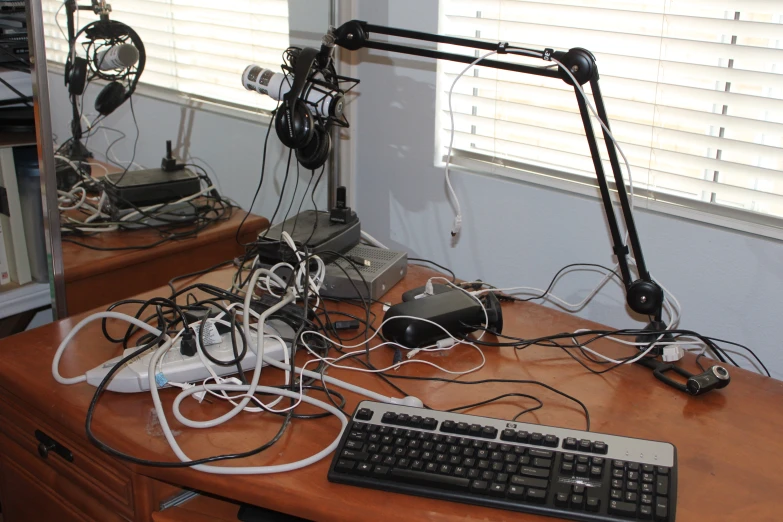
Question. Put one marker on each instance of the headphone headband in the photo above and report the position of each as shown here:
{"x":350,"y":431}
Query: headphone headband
{"x":304,"y":62}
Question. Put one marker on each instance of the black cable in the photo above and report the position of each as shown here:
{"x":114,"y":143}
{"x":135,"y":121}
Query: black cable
{"x":293,"y":196}
{"x":499,"y":397}
{"x":282,"y":192}
{"x":433,"y":263}
{"x":23,"y":98}
{"x":197,"y":273}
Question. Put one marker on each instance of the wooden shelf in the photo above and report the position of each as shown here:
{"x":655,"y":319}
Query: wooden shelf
{"x":15,"y":299}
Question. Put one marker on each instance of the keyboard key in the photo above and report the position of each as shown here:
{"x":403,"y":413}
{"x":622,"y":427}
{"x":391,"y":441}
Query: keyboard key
{"x":497,"y":466}
{"x":579,"y":489}
{"x":403,"y":463}
{"x":625,"y":509}
{"x":663,"y":470}
{"x":380,"y":471}
{"x":354,"y":445}
{"x":630,"y":496}
{"x":364,"y":467}
{"x":617,"y":484}
{"x":585,"y":445}
{"x":445,"y":469}
{"x":469,"y":463}
{"x":511,"y":468}
{"x":474,"y":474}
{"x":616,"y":494}
{"x":551,"y":441}
{"x":561,"y":499}
{"x":354,"y":455}
{"x":569,"y":443}
{"x":581,"y":470}
{"x":389,"y":417}
{"x":345,"y":465}
{"x":501,"y":477}
{"x":376,"y":459}
{"x":519,"y":450}
{"x":577,"y":501}
{"x":534,"y":472}
{"x":488,"y":432}
{"x":648,"y":468}
{"x":415,"y":421}
{"x":661,"y":509}
{"x":529,"y":482}
{"x":567,"y":467}
{"x":632,"y":486}
{"x":462,"y":427}
{"x":460,"y":471}
{"x":633,"y":466}
{"x":427,"y":479}
{"x":618,"y":464}
{"x":448,"y":426}
{"x":510,"y":458}
{"x":508,"y":435}
{"x":478,"y":444}
{"x":598,"y":461}
{"x":645,"y":512}
{"x":389,"y":461}
{"x":537,"y":438}
{"x":647,"y":488}
{"x":593,"y":504}
{"x":497,"y":490}
{"x":596,"y":471}
{"x":417,"y":465}
{"x":479,"y":486}
{"x":515,"y":492}
{"x":474,"y":430}
{"x":600,"y":447}
{"x":542,"y":463}
{"x":568,"y":457}
{"x":492,"y":446}
{"x":536,"y":495}
{"x":403,"y":419}
{"x":429,"y":423}
{"x":488,"y":476}
{"x":583,"y":460}
{"x":523,"y":436}
{"x":646,"y":499}
{"x":544,"y":454}
{"x":662,"y":485}
{"x":648,"y":478}
{"x":633,"y":475}
{"x":464,"y":442}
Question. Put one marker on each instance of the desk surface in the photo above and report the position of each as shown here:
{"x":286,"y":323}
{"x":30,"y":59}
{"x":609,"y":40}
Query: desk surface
{"x":80,"y":262}
{"x":727,"y":441}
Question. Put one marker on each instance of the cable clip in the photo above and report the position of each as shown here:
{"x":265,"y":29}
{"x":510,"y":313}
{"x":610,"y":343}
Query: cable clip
{"x":548,"y":54}
{"x":502,"y":48}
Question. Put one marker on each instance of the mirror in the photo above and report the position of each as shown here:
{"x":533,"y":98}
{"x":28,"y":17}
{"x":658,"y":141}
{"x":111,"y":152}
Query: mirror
{"x":132,"y":212}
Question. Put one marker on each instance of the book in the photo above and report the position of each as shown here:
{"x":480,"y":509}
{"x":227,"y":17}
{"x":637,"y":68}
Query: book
{"x":5,"y":272}
{"x":13,"y":225}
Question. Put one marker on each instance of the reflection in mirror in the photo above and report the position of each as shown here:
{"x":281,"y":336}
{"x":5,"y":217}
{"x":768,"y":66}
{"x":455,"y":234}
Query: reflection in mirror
{"x":166,"y":164}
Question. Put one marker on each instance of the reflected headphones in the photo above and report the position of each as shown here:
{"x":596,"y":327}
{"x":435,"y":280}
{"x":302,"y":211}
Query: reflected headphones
{"x":114,"y":93}
{"x":295,"y":124}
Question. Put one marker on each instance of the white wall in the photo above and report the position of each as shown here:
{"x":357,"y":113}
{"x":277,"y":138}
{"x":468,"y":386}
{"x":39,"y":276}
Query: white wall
{"x":729,"y":283}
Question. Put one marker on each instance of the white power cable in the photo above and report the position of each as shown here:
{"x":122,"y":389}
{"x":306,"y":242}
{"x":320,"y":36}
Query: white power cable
{"x":457,"y":227}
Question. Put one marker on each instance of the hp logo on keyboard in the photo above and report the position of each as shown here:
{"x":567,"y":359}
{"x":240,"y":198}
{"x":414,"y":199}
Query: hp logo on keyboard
{"x":510,"y":425}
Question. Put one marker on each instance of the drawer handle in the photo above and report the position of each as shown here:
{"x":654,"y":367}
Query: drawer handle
{"x":47,"y":444}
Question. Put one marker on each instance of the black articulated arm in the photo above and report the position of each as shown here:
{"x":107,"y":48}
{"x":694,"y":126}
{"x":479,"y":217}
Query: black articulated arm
{"x":644,"y":296}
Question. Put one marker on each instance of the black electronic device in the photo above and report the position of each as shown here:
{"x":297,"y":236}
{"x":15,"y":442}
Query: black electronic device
{"x":150,"y":186}
{"x":575,"y":67}
{"x":313,"y":229}
{"x":517,"y":466}
{"x":169,"y":163}
{"x":456,"y":312}
{"x":312,"y":100}
{"x":713,"y":378}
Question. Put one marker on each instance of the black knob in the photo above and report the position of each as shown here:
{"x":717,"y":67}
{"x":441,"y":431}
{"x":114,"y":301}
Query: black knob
{"x":44,"y":448}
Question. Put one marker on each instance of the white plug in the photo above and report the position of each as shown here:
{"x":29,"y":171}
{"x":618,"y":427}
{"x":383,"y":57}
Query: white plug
{"x":457,"y":225}
{"x":672,"y":353}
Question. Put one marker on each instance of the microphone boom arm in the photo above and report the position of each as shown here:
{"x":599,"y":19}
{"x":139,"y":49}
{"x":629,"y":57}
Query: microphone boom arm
{"x":643,"y":295}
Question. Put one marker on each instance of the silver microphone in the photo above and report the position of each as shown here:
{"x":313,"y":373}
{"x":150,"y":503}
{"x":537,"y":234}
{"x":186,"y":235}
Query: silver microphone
{"x":117,"y":57}
{"x":273,"y":84}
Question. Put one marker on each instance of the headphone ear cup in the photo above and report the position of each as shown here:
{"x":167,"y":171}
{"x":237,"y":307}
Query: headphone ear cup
{"x":294,"y":128}
{"x":110,"y":97}
{"x":77,"y":76}
{"x":315,"y":153}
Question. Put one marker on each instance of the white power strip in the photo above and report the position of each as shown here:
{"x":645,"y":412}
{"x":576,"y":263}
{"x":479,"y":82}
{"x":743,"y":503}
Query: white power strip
{"x":174,"y":367}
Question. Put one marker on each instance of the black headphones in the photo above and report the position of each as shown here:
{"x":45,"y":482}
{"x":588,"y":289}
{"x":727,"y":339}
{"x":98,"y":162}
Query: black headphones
{"x":295,"y":124}
{"x":114,"y":93}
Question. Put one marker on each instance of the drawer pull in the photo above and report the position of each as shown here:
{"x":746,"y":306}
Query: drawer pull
{"x":48,"y":444}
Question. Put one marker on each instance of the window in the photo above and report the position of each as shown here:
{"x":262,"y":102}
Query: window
{"x":196,"y":47}
{"x":693,"y":88}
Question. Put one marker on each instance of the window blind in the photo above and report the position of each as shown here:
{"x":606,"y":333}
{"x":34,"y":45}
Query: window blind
{"x":693,"y":90}
{"x":195,"y":47}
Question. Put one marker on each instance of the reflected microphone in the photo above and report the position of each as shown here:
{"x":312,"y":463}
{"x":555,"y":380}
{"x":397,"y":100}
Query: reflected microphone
{"x":117,"y":57}
{"x":275,"y":85}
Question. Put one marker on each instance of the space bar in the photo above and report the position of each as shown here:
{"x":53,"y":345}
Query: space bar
{"x":429,"y":479}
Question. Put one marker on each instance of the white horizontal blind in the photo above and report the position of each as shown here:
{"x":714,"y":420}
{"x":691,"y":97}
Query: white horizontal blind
{"x":196,"y":47}
{"x":693,"y":89}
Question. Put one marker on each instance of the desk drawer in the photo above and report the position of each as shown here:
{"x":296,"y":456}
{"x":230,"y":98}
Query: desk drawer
{"x":92,"y":483}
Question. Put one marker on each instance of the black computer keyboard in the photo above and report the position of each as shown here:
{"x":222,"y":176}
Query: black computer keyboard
{"x":559,"y":472}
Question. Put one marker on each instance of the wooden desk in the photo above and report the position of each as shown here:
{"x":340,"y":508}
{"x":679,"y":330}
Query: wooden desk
{"x":95,"y":277}
{"x":727,"y":441}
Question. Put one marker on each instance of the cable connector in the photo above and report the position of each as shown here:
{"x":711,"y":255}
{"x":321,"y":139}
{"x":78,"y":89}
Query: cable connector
{"x":672,"y":353}
{"x":187,"y":344}
{"x":446,"y":343}
{"x":457,"y":225}
{"x":502,"y":48}
{"x":548,"y":54}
